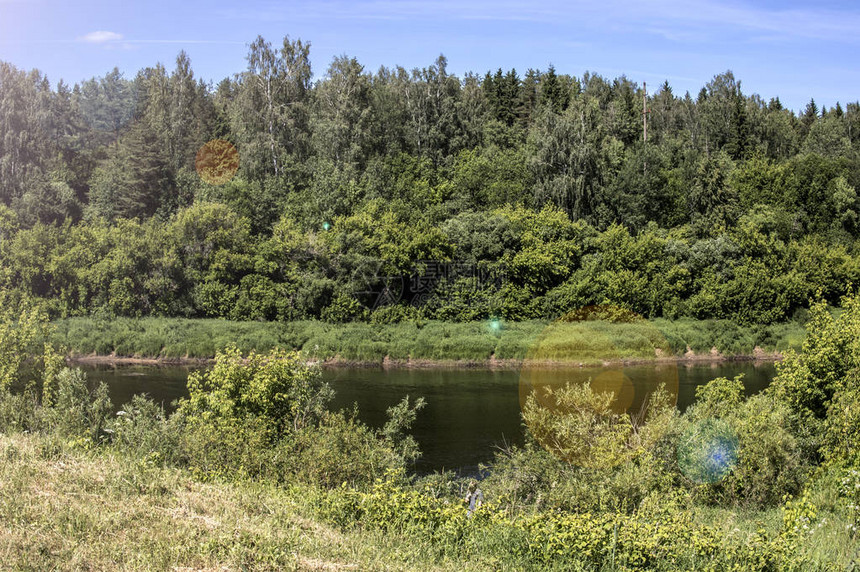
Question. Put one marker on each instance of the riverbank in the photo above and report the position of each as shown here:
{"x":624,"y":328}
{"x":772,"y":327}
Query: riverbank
{"x":66,"y":508}
{"x":69,"y":507}
{"x":492,"y":364}
{"x":154,"y":341}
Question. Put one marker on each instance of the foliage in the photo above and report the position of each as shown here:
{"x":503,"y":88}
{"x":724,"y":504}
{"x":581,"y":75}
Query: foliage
{"x":610,"y":490}
{"x":540,"y":187}
{"x":841,"y":440}
{"x":585,"y":428}
{"x":141,"y":428}
{"x":741,"y":450}
{"x":278,"y":390}
{"x":827,"y":363}
{"x":78,"y":411}
{"x":656,"y":537}
{"x":340,"y":449}
{"x":401,"y":417}
{"x":409,"y":208}
{"x":23,"y":333}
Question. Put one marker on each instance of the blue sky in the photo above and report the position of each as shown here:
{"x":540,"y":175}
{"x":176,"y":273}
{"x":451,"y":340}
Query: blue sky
{"x":794,"y":50}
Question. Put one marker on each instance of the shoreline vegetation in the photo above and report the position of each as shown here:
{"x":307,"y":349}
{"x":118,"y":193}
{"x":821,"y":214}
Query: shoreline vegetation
{"x":253,"y":471}
{"x":176,"y":341}
{"x":338,"y":363}
{"x":153,"y":517}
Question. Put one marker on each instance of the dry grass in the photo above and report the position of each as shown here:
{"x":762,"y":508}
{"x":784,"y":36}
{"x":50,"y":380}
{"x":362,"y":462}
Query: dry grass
{"x":67,"y":509}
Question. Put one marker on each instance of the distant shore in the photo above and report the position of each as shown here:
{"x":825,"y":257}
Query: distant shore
{"x":492,"y":363}
{"x":430,"y":344}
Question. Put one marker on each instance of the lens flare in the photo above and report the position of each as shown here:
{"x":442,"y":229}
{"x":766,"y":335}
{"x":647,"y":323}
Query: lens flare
{"x":619,"y":385}
{"x":708,"y":451}
{"x":217,"y":161}
{"x":589,"y":416}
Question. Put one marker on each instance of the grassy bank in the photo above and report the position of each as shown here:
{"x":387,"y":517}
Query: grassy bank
{"x":70,"y":508}
{"x":575,"y":342}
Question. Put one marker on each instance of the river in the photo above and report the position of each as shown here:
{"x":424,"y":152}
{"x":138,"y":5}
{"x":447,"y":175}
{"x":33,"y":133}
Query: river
{"x":470,"y":413}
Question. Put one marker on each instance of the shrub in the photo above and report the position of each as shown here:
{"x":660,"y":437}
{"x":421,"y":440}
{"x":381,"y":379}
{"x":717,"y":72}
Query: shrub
{"x":18,"y":411}
{"x":230,"y":449}
{"x":401,"y":417}
{"x":339,"y":450}
{"x":79,"y":412}
{"x":807,"y":380}
{"x":279,"y":389}
{"x":142,"y":429}
{"x":24,"y":333}
{"x":530,"y":477}
{"x":343,"y":309}
{"x":740,"y":451}
{"x":394,"y":314}
{"x":585,"y":428}
{"x":842,"y":426}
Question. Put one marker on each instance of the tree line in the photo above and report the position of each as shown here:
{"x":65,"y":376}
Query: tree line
{"x":353,"y":188}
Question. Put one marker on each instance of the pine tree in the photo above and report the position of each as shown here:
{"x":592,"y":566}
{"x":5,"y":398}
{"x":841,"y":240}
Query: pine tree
{"x":551,"y":91}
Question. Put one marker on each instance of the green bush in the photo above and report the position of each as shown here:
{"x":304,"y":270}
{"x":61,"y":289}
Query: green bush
{"x":78,"y":411}
{"x":343,"y":309}
{"x":339,"y":450}
{"x":19,"y":411}
{"x":807,"y":380}
{"x":222,"y":448}
{"x":842,"y":427}
{"x":584,"y":428}
{"x":531,"y":478}
{"x":24,"y":336}
{"x":142,"y":429}
{"x":278,"y":389}
{"x":395,"y":314}
{"x":737,"y":450}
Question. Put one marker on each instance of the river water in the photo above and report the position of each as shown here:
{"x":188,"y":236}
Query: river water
{"x":470,"y":413}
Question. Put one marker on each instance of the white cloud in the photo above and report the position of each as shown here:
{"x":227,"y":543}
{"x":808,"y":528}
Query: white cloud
{"x":100,"y":37}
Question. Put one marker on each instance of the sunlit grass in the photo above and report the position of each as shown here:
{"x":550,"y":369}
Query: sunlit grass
{"x":65,"y":509}
{"x":573,"y":342}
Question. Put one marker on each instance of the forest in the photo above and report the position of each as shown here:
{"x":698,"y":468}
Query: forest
{"x":403,"y":194}
{"x":280,"y":218}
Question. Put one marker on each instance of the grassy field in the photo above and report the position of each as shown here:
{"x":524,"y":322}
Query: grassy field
{"x":64,"y":507}
{"x":574,"y":342}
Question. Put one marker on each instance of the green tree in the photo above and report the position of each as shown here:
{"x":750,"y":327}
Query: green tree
{"x":712,"y":201}
{"x":567,"y":158}
{"x":269,"y":114}
{"x":724,"y":116}
{"x":25,"y":142}
{"x":808,"y":380}
{"x":431,"y":96}
{"x":828,"y":137}
{"x":108,"y":103}
{"x":553,"y":93}
{"x":134,"y":182}
{"x":342,"y":114}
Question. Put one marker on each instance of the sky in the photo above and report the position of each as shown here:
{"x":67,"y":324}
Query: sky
{"x":790,"y":49}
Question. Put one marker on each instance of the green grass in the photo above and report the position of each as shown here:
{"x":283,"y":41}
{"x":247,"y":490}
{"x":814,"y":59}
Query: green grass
{"x":64,"y":507}
{"x":576,"y":342}
{"x":67,"y":509}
